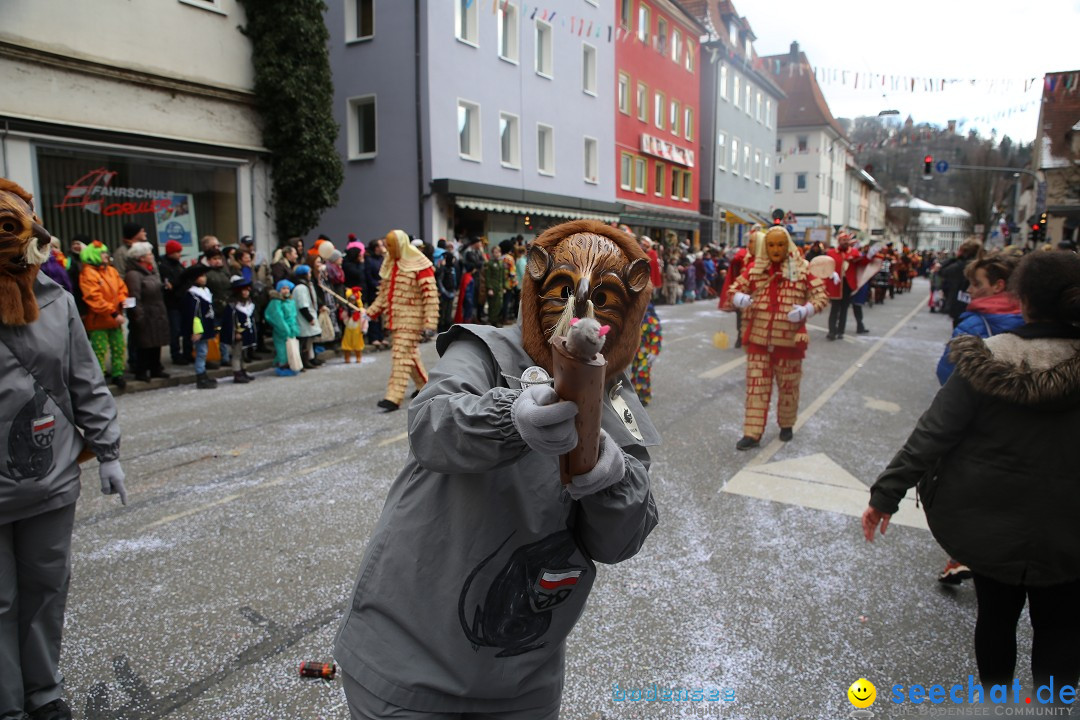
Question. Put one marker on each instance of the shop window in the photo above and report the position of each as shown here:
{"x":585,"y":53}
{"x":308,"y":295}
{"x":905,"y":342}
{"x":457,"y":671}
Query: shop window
{"x":468,"y":116}
{"x":545,"y":60}
{"x":508,"y":32}
{"x":362,"y":125}
{"x":94,"y":193}
{"x":592,"y":161}
{"x":509,"y":141}
{"x":466,"y":25}
{"x":545,"y":149}
{"x":359,"y":20}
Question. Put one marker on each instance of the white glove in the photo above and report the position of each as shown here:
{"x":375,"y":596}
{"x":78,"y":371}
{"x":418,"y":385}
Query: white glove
{"x":610,"y":468}
{"x":741,"y":300}
{"x":112,"y":479}
{"x":545,"y":422}
{"x":800,"y":312}
{"x":835,"y":278}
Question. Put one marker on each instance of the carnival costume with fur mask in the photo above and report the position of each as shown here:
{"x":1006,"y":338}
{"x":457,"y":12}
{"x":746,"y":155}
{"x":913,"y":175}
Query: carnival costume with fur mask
{"x":777,"y":295}
{"x":479,"y":625}
{"x":410,"y":300}
{"x":54,"y":406}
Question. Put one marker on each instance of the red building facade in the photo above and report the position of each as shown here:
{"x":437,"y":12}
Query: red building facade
{"x":658,"y":115}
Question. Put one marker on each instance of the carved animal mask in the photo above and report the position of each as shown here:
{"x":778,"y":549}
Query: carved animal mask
{"x":24,"y":246}
{"x":578,"y":266}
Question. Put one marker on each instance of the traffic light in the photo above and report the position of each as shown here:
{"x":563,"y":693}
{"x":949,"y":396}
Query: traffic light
{"x":1036,"y":232}
{"x":928,"y":166}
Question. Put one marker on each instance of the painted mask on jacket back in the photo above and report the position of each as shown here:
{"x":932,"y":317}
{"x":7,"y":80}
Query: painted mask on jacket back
{"x":585,"y":264}
{"x":776,"y":245}
{"x":24,"y":245}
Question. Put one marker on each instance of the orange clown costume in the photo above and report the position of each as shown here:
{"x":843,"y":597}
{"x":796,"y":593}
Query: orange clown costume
{"x":777,"y":295}
{"x":410,"y":299}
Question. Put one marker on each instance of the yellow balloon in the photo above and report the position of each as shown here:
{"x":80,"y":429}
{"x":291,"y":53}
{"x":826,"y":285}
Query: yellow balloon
{"x":862,"y":693}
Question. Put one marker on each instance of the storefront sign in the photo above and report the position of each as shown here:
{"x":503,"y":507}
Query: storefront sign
{"x":669,"y":151}
{"x":93,"y":193}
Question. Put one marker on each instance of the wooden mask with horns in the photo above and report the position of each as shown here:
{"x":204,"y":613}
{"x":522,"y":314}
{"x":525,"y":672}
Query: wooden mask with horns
{"x":24,"y":245}
{"x":585,"y":269}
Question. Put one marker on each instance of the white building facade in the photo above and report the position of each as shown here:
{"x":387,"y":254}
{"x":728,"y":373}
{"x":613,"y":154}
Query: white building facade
{"x":107,"y":125}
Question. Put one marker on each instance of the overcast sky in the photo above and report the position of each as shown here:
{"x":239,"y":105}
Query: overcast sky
{"x":972,"y":39}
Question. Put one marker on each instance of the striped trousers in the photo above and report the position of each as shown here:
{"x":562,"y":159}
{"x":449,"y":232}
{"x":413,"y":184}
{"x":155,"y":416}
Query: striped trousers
{"x":761,"y":371}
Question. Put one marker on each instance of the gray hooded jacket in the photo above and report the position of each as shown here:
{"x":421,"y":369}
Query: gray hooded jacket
{"x":480,"y":565}
{"x":47,"y":362}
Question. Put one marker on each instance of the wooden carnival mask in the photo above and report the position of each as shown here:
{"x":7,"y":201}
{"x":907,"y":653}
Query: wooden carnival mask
{"x":24,"y":245}
{"x":585,"y":269}
{"x":777,"y":241}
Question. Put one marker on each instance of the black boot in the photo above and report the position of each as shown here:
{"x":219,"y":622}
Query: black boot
{"x":240,"y":377}
{"x":205,"y":382}
{"x":56,"y":710}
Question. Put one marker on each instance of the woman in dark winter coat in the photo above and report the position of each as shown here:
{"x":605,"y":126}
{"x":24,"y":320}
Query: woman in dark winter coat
{"x":372,"y":267}
{"x":353,"y":266}
{"x":149,"y":318}
{"x":997,"y":457}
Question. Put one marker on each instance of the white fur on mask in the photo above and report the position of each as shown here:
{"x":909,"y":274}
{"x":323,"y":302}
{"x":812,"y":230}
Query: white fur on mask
{"x":35,"y":255}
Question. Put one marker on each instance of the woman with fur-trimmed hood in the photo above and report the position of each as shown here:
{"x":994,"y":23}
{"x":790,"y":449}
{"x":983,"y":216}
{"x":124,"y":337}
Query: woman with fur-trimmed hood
{"x":996,"y":458}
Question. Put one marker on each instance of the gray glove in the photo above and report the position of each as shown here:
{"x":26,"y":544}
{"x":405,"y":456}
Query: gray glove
{"x":545,"y":422}
{"x":610,"y":468}
{"x":112,"y":479}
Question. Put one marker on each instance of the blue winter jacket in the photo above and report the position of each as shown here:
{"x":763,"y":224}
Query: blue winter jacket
{"x":984,"y":317}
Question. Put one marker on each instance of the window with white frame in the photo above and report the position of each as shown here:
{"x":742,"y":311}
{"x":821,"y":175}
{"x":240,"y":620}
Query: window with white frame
{"x":661,"y":35}
{"x":642,"y":102}
{"x":623,"y":98}
{"x":468,"y":120}
{"x":508,"y":31}
{"x":689,"y":56}
{"x":803,"y":144}
{"x":659,"y":181}
{"x":776,"y":182}
{"x":359,"y":20}
{"x":734,"y":156}
{"x":721,"y":150}
{"x":767,"y":171}
{"x":626,"y":171}
{"x":748,"y":169}
{"x":466,"y":22}
{"x":749,"y":108}
{"x":673,"y":117}
{"x":509,"y":140}
{"x":757,"y":106}
{"x":545,"y":60}
{"x":800,"y":181}
{"x":768,"y":113}
{"x":545,"y":149}
{"x":592,"y":161}
{"x":676,"y":45}
{"x":363,"y":141}
{"x":723,"y":82}
{"x":688,"y":123}
{"x":588,"y":68}
{"x":736,"y":93}
{"x":644,"y":23}
{"x":659,"y":106}
{"x":733,"y":33}
{"x":757,"y":166}
{"x":639,"y":174}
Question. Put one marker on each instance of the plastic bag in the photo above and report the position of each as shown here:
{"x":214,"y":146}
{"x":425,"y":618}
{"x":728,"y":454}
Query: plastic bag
{"x":292,"y":351}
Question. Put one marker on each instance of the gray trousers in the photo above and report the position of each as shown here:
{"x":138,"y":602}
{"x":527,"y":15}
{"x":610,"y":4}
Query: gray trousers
{"x":365,"y":706}
{"x":35,"y":568}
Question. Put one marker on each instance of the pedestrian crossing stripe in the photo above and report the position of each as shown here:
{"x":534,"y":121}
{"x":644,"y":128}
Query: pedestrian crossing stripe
{"x":815,"y":481}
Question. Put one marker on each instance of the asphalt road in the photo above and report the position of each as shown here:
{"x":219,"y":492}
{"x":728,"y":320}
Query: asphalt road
{"x":251,"y":504}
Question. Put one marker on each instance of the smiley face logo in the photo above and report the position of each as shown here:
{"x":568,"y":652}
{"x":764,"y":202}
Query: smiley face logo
{"x":862,"y":693}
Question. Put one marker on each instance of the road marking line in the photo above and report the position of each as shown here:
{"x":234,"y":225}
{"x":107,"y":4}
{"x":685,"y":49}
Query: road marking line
{"x":721,"y":369}
{"x":394,"y":439}
{"x":667,"y":343}
{"x":773,"y":447}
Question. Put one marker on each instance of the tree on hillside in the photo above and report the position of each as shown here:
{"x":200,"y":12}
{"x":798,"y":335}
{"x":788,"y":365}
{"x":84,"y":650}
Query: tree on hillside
{"x":294,"y":95}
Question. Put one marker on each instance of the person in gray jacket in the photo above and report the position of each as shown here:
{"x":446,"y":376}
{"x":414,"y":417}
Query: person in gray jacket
{"x":54,"y":405}
{"x":482,"y":561}
{"x":996,"y":457}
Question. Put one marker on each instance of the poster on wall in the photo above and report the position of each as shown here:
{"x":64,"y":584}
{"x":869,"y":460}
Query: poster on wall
{"x":177,"y":222}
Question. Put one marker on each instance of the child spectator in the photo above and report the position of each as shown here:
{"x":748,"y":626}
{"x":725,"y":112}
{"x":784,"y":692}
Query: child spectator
{"x":281,"y":317}
{"x":307,"y":321}
{"x":356,"y":324}
{"x":238,"y":327}
{"x":104,"y":294}
{"x":200,"y":321}
{"x":641,"y":369}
